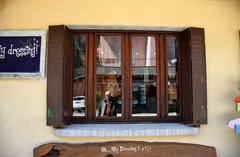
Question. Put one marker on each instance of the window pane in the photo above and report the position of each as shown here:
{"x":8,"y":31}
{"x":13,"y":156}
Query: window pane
{"x":144,"y":78}
{"x":173,"y":107}
{"x":108,"y":74}
{"x":79,"y":77}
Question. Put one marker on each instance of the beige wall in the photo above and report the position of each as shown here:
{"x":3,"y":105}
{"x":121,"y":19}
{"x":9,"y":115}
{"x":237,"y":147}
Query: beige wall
{"x":23,"y":101}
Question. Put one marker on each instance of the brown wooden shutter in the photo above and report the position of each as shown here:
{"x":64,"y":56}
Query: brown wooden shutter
{"x":185,"y":75}
{"x":59,"y":76}
{"x":193,"y":76}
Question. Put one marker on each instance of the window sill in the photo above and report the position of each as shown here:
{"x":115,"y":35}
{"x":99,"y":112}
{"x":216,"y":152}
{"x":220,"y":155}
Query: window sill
{"x":104,"y":130}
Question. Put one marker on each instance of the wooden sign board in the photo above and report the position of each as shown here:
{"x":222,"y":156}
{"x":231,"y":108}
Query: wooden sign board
{"x":124,"y":149}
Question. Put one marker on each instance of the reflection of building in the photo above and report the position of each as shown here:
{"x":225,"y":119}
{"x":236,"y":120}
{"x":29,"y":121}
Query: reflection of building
{"x":143,"y":68}
{"x":109,"y":65}
{"x":109,"y":61}
{"x":144,"y":51}
{"x":109,"y":51}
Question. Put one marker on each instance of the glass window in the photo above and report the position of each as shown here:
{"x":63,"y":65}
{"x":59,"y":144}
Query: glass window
{"x":144,"y":77}
{"x":125,"y":77}
{"x":108,"y":76}
{"x":79,"y":75}
{"x":173,"y":107}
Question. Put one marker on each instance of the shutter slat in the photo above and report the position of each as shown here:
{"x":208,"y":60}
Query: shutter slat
{"x":199,"y":86}
{"x":193,"y":76}
{"x":185,"y":75}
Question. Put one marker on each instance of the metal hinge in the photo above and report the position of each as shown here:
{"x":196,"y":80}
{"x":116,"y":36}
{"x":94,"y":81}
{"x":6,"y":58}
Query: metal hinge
{"x":49,"y":114}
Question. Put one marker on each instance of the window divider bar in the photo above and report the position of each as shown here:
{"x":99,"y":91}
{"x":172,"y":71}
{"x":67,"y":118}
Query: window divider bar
{"x":91,"y":72}
{"x":128,"y":74}
{"x":163,"y":77}
{"x":158,"y":61}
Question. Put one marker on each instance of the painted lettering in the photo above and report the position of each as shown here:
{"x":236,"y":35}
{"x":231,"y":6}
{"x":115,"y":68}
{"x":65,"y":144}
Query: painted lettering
{"x":103,"y":149}
{"x":2,"y":52}
{"x":119,"y":149}
{"x":27,"y":49}
{"x":128,"y":149}
{"x":10,"y":51}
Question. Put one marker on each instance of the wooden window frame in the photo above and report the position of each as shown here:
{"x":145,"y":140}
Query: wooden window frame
{"x":126,"y":67}
{"x":193,"y":102}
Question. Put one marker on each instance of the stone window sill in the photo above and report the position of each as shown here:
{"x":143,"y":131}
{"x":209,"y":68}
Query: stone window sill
{"x":110,"y":130}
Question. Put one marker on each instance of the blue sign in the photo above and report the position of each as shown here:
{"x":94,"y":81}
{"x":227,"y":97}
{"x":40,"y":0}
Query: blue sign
{"x":20,"y":54}
{"x":237,"y":128}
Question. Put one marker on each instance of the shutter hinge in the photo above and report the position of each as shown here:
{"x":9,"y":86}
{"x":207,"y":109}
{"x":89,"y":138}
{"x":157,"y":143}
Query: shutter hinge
{"x":193,"y":125}
{"x":197,"y":124}
{"x":49,"y":114}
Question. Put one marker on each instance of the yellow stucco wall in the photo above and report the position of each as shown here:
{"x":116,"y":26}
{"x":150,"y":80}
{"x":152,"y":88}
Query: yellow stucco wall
{"x":23,"y":101}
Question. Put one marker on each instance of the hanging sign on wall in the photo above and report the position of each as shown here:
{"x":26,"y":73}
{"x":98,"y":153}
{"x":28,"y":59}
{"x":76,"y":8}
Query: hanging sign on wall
{"x":124,"y":149}
{"x":22,"y":53}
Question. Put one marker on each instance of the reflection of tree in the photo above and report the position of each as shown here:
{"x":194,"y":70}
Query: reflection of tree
{"x":79,"y":59}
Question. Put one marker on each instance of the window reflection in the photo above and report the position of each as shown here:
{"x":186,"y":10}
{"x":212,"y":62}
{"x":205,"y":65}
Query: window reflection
{"x":144,"y":81}
{"x":108,"y":74}
{"x":79,"y":78}
{"x":173,"y":107}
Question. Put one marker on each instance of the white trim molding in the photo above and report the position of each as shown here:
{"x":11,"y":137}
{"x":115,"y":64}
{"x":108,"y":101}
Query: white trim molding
{"x":126,"y":28}
{"x":109,"y":130}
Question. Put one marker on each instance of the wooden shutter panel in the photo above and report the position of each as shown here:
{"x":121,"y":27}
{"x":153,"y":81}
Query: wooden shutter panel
{"x":59,"y":76}
{"x":199,"y":81}
{"x":185,"y":75}
{"x":193,"y":76}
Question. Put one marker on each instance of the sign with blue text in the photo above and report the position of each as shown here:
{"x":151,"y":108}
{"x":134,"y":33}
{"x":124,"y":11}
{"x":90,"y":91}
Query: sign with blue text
{"x":22,"y":53}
